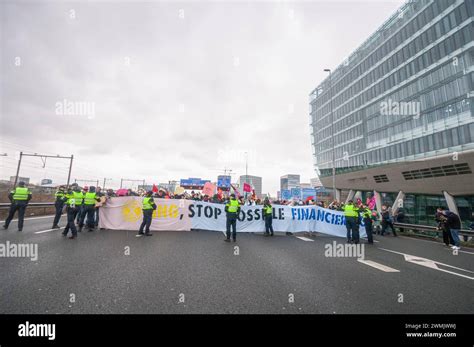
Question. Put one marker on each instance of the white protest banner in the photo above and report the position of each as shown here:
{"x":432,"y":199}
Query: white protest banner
{"x":210,"y":216}
{"x":125,"y":214}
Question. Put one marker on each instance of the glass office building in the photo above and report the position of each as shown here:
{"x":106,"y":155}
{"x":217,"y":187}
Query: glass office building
{"x":398,"y":114}
{"x":289,"y":181}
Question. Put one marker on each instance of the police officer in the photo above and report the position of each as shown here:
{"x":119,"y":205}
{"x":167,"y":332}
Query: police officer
{"x":367,"y":216}
{"x":88,"y":210}
{"x":232,"y":208}
{"x":19,"y":198}
{"x":74,"y":199}
{"x":148,"y":207}
{"x":351,"y":212}
{"x":81,"y":207}
{"x":268,"y":215}
{"x":59,"y":204}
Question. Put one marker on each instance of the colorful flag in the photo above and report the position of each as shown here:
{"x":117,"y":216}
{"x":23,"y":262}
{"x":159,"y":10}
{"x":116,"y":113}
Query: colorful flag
{"x":371,"y":202}
{"x":247,"y":188}
{"x":235,"y":190}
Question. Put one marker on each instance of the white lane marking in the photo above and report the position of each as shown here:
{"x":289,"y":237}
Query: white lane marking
{"x":44,"y":231}
{"x":450,"y":250}
{"x":381,"y":267}
{"x":465,"y":252}
{"x":430,"y":241}
{"x":365,"y":238}
{"x":432,"y":264}
{"x":31,"y":218}
{"x":303,"y":238}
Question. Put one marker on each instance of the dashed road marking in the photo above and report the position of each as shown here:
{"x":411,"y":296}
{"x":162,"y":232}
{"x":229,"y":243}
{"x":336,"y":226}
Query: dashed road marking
{"x":44,"y":231}
{"x":365,"y":238}
{"x":379,"y":266}
{"x":303,"y":238}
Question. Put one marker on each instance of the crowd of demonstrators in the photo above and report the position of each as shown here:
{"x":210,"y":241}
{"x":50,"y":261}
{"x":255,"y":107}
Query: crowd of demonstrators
{"x":83,"y":204}
{"x":355,"y":211}
{"x":374,"y":223}
{"x":335,"y":205}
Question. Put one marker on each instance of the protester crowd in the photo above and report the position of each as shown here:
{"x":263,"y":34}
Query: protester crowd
{"x":84,"y":203}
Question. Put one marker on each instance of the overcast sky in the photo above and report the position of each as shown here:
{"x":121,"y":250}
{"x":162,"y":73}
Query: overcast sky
{"x":173,"y":90}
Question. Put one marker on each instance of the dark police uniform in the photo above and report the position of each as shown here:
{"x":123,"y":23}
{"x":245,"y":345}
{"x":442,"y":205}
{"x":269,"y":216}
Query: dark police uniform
{"x":58,"y":204}
{"x":90,"y":198}
{"x":74,"y":202}
{"x":268,"y":215}
{"x":351,"y":214}
{"x":19,"y":198}
{"x":148,"y":207}
{"x":367,"y":216}
{"x":232,"y":208}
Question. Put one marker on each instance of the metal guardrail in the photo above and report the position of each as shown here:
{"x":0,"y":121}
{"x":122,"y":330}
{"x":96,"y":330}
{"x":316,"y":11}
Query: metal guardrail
{"x":6,"y":205}
{"x":419,"y":227}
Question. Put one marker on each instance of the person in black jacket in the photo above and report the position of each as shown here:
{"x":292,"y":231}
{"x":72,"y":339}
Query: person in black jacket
{"x":59,"y":204}
{"x":453,"y":222}
{"x":387,"y":221}
{"x":400,"y":218}
{"x":441,"y":220}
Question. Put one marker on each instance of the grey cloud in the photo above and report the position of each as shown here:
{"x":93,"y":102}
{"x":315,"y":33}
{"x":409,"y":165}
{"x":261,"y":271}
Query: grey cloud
{"x":221,"y":77}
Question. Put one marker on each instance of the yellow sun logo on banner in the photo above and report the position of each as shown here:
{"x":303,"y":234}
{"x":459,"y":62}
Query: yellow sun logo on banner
{"x":132,"y":211}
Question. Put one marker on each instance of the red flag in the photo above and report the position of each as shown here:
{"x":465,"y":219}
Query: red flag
{"x":155,"y":188}
{"x":235,"y":190}
{"x":247,"y":188}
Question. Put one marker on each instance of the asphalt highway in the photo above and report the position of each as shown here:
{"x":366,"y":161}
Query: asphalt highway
{"x":113,"y":271}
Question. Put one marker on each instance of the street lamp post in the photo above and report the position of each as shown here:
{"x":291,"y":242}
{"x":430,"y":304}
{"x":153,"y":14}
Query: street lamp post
{"x":246,"y":172}
{"x":105,"y":181}
{"x":332,"y":137}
